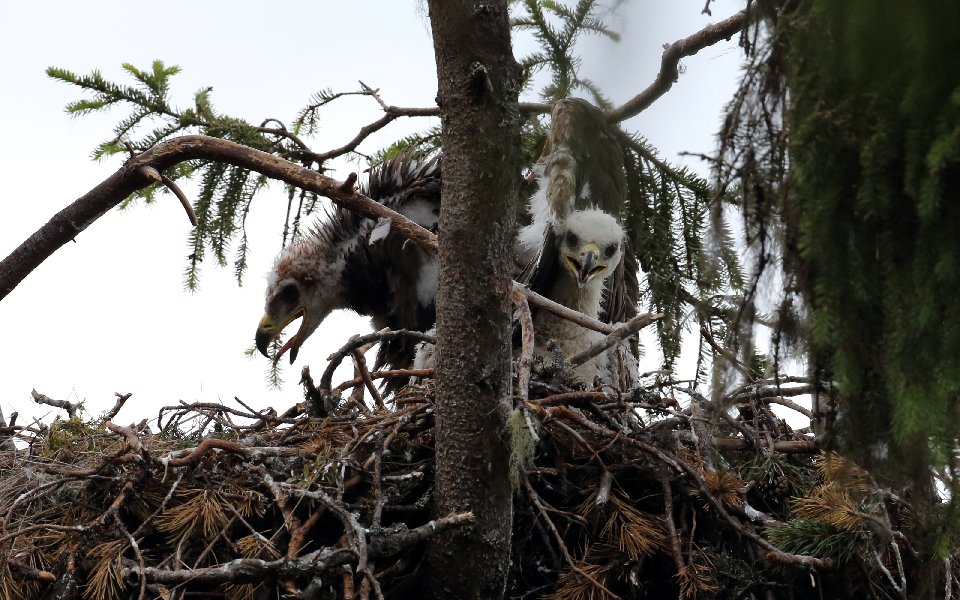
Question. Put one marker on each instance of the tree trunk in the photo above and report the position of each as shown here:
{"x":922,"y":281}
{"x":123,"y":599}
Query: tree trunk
{"x":478,"y":87}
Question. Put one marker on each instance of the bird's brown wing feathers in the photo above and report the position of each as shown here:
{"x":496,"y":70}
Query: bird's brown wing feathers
{"x":581,"y":130}
{"x":621,"y":295}
{"x":584,"y":162}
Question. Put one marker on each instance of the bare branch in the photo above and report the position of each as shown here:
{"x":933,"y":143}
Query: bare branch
{"x":562,"y":311}
{"x":364,"y":133}
{"x":25,"y":571}
{"x":620,"y":333}
{"x":121,"y":400}
{"x":173,"y":187}
{"x":243,"y":570}
{"x":392,"y":113}
{"x":571,"y":563}
{"x":281,"y":131}
{"x":133,"y":440}
{"x":525,"y":362}
{"x":669,"y":64}
{"x":535,"y":108}
{"x":357,"y":341}
{"x":186,"y":456}
{"x":789,"y":404}
{"x":391,"y":543}
{"x":526,"y":344}
{"x":70,"y":407}
{"x":727,"y":354}
{"x":389,"y":374}
{"x":671,"y":527}
{"x":158,"y":177}
{"x":361,"y":363}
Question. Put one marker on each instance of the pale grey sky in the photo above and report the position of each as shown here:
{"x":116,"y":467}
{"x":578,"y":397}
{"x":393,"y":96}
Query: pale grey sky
{"x":109,"y":314}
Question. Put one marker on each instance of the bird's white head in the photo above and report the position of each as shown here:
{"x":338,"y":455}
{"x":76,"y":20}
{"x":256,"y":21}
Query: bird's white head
{"x":305,"y":283}
{"x":591,"y":245}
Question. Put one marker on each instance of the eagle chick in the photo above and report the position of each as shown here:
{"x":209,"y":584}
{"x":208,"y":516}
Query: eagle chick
{"x":352,"y":262}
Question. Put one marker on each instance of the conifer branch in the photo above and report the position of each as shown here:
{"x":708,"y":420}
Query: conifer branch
{"x":772,"y":552}
{"x":672,"y":534}
{"x":571,"y":563}
{"x":75,"y":218}
{"x":557,"y":45}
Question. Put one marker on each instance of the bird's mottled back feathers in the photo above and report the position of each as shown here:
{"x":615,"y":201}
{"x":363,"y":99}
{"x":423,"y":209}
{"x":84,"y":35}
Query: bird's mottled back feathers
{"x":404,"y":178}
{"x":396,"y":184}
{"x":411,"y":186}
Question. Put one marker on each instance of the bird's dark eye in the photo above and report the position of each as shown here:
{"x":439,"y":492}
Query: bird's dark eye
{"x":571,"y":239}
{"x":289,"y":294}
{"x":608,"y":252}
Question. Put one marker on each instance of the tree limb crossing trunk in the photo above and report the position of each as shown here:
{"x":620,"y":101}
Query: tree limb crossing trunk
{"x":478,"y":87}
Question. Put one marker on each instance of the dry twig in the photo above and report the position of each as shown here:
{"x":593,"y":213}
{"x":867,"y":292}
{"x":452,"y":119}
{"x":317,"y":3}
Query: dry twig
{"x":70,"y":407}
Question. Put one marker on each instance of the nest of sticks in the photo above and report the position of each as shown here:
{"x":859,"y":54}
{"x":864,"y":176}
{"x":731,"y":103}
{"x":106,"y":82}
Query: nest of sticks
{"x":653,"y":493}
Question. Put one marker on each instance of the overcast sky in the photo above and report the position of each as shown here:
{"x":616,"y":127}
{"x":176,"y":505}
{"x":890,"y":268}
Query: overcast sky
{"x":109,"y":313}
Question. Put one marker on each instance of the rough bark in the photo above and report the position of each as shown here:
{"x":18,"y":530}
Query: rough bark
{"x":478,"y":86}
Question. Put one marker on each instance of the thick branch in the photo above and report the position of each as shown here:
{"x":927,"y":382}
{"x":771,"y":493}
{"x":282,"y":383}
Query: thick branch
{"x":478,"y":82}
{"x":25,"y":571}
{"x":65,"y":225}
{"x":135,"y":174}
{"x":784,"y":446}
{"x":70,"y":407}
{"x":245,"y":570}
{"x":179,"y":458}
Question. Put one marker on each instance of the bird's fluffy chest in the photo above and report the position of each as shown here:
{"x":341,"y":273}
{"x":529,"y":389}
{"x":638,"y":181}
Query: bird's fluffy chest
{"x":571,"y":339}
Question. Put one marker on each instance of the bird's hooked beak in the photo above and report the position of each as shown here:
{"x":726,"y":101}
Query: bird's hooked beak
{"x":269,"y":328}
{"x":293,"y":300}
{"x":585,"y":265}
